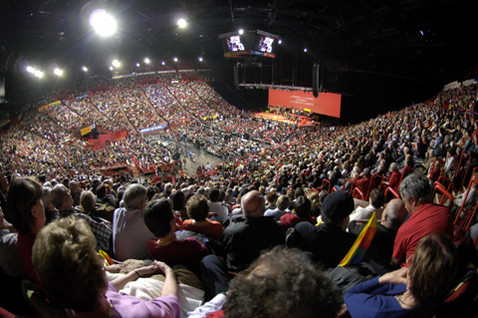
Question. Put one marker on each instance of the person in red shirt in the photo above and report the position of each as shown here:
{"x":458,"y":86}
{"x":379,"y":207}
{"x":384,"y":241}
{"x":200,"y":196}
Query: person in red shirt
{"x":425,"y":217}
{"x":159,"y":218}
{"x":198,"y":210}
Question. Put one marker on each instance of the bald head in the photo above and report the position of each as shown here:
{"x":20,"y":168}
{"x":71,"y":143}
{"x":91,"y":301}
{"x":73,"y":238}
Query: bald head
{"x":253,"y":204}
{"x":394,"y":214}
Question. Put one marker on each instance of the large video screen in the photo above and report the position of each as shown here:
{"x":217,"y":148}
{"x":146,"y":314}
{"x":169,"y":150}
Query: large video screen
{"x":265,"y":44}
{"x":325,"y":104}
{"x":234,"y":44}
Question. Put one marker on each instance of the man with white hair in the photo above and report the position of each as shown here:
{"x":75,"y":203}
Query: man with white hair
{"x":130,"y":233}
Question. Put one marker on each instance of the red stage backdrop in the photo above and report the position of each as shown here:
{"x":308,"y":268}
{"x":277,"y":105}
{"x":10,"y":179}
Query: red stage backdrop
{"x":325,"y":104}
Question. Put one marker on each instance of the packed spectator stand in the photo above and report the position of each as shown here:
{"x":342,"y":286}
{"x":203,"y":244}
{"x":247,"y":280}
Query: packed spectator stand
{"x":436,"y":139}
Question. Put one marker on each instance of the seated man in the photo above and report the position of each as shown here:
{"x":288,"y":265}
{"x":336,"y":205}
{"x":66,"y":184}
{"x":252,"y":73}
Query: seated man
{"x":243,"y":243}
{"x":425,"y":217}
{"x":282,"y":208}
{"x":130,"y":233}
{"x":328,"y":242}
{"x":382,"y":244}
{"x":160,"y":220}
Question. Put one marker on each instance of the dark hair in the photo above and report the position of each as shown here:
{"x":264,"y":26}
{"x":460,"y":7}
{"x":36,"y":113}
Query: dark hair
{"x":178,"y":199}
{"x":214,"y":195}
{"x":272,"y":197}
{"x":433,"y":269}
{"x":281,"y":283}
{"x":23,"y":193}
{"x":377,"y":198}
{"x":197,"y":207}
{"x":302,"y":207}
{"x":157,"y":217}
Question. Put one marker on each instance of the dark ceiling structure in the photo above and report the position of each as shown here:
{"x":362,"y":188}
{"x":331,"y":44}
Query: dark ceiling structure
{"x":375,"y":52}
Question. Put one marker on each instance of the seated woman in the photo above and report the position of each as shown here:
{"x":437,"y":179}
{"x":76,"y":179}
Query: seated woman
{"x":26,"y":213}
{"x":198,"y":210}
{"x":159,"y":218}
{"x":72,"y":275}
{"x":426,"y":282}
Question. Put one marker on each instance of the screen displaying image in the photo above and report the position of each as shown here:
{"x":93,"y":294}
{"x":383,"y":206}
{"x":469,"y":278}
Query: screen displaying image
{"x":265,"y":44}
{"x":234,"y":43}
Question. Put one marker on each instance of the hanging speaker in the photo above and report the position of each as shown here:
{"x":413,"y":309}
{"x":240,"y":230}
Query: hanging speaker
{"x":236,"y":76}
{"x":315,"y":80}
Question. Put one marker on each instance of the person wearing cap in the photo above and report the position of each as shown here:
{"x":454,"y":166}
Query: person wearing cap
{"x":328,"y":242}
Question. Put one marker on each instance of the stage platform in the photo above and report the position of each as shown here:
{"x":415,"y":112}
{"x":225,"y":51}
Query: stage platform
{"x":293,"y":119}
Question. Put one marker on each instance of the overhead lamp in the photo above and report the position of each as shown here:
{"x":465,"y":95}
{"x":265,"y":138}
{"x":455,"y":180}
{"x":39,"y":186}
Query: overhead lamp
{"x":175,"y":59}
{"x":182,"y":23}
{"x":111,"y":68}
{"x":30,"y":69}
{"x":38,"y":73}
{"x":147,"y":60}
{"x":57,"y":71}
{"x":305,"y":50}
{"x":103,"y":23}
{"x":241,"y":31}
{"x":200,"y":59}
{"x":163,"y":63}
{"x":138,"y":65}
{"x":279,"y":41}
{"x":84,"y":68}
{"x":116,"y":63}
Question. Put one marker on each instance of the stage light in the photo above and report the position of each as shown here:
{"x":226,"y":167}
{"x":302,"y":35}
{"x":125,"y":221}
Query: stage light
{"x":111,"y":68}
{"x":241,"y":31}
{"x":84,"y":68}
{"x":30,"y":69}
{"x":147,"y":60}
{"x":200,"y":59}
{"x":103,"y":23}
{"x":57,"y":71}
{"x":38,"y":73}
{"x":138,"y":65}
{"x":280,"y":41}
{"x":116,"y":63}
{"x":182,"y":23}
{"x":175,"y":59}
{"x":305,"y":50}
{"x":422,"y":33}
{"x":163,"y":63}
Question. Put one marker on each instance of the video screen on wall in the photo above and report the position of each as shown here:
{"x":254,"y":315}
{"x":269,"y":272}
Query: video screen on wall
{"x":234,"y":43}
{"x":265,"y":44}
{"x":325,"y":104}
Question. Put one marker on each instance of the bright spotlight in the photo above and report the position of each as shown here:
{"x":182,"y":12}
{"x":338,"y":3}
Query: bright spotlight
{"x":116,"y":63}
{"x":305,"y":50}
{"x":241,"y":31}
{"x":200,"y":59}
{"x":84,"y":69}
{"x":38,"y":73}
{"x":111,"y":68}
{"x":58,"y":72}
{"x":147,"y":60}
{"x":103,"y":23}
{"x":182,"y":23}
{"x":175,"y":59}
{"x":280,"y":41}
{"x":138,"y":65}
{"x":30,"y":69}
{"x":163,"y":63}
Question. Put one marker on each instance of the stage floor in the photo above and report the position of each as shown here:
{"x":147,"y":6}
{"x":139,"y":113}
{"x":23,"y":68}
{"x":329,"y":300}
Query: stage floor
{"x":304,"y":121}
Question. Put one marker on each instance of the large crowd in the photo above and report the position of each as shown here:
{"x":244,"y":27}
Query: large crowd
{"x":269,"y":192}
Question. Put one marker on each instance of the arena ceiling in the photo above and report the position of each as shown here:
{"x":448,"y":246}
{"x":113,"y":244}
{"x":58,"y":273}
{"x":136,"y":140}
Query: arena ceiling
{"x":425,"y":42}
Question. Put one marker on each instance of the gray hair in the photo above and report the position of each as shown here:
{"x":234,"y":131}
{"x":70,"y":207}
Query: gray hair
{"x":134,"y":195}
{"x":416,"y":186}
